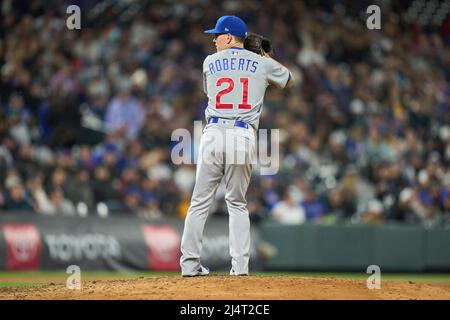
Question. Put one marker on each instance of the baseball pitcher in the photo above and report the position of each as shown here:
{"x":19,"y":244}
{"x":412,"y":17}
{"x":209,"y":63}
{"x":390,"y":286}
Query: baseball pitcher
{"x":235,"y":81}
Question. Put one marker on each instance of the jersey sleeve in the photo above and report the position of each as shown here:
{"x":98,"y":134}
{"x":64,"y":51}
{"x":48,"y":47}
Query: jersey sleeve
{"x":205,"y":88}
{"x":277,"y":74}
{"x":205,"y":70}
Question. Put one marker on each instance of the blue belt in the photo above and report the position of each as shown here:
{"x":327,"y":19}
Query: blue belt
{"x":237,"y":123}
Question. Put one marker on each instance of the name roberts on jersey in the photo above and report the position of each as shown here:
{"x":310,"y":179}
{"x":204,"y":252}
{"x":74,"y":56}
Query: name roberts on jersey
{"x":227,"y":64}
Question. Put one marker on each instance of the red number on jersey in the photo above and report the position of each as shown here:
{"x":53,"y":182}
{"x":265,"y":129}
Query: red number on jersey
{"x":243,"y":105}
{"x":227,"y":90}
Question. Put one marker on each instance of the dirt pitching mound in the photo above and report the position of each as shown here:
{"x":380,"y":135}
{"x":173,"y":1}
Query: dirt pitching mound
{"x":231,"y":288}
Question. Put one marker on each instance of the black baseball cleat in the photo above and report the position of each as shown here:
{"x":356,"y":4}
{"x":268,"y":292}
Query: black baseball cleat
{"x":202,"y":271}
{"x":233,"y":273}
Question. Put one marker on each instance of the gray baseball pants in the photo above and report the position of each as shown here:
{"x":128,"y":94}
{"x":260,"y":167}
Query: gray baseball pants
{"x":225,"y":152}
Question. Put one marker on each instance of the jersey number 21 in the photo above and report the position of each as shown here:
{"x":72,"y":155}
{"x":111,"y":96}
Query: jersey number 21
{"x":230,"y":82}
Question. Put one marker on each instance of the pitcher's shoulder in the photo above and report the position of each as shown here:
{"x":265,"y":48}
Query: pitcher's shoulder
{"x":208,"y":57}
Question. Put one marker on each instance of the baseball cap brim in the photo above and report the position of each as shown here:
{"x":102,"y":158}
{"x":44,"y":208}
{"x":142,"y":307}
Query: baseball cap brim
{"x":216,"y":31}
{"x":213,"y":31}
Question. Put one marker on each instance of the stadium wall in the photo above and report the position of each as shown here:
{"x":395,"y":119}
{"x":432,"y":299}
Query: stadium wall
{"x":127,"y":243}
{"x":394,"y":248}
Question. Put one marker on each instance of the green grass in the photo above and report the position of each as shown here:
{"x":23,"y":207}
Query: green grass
{"x":17,"y":279}
{"x":87,"y":274}
{"x":416,"y":277}
{"x":27,"y":278}
{"x":21,"y":284}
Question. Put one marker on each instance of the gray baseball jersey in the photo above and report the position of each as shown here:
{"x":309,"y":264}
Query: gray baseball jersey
{"x":235,"y":81}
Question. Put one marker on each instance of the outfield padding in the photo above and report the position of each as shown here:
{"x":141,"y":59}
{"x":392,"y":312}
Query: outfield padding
{"x":396,"y":248}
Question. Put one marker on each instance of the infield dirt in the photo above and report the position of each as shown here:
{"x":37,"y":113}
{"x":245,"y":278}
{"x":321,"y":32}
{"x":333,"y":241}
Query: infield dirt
{"x":231,"y":288}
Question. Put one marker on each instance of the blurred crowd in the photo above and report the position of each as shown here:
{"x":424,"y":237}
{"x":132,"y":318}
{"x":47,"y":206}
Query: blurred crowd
{"x":86,"y":116}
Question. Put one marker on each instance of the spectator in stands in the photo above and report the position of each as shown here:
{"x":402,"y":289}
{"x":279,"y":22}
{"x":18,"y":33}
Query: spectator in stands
{"x":132,"y":198}
{"x":313,"y":206}
{"x":374,"y":213}
{"x":256,"y":210}
{"x":287,"y":211}
{"x":38,"y":196}
{"x":103,"y":185}
{"x":79,"y":189}
{"x":58,"y":179}
{"x":125,"y":114}
{"x":150,"y":207}
{"x":269,"y":192}
{"x":16,"y":199}
{"x":63,"y":119}
{"x":444,"y":198}
{"x":25,"y":164}
{"x":84,"y":157}
{"x":19,"y":117}
{"x":60,"y":205}
{"x":340,"y":208}
{"x":129,"y":178}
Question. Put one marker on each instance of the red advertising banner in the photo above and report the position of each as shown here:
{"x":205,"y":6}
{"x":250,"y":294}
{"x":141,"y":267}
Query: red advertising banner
{"x":163,"y":243}
{"x":23,"y":246}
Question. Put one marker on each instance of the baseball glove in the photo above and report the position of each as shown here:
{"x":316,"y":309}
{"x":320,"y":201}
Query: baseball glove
{"x":257,"y":43}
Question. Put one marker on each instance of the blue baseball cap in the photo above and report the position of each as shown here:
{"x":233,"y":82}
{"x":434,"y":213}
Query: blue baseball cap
{"x":230,"y":24}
